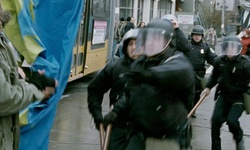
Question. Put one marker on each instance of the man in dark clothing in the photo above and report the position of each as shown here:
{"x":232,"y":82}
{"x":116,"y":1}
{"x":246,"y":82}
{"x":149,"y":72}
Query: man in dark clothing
{"x":232,"y":74}
{"x":199,"y":54}
{"x":112,"y":78}
{"x":158,"y":90}
{"x":130,"y":24}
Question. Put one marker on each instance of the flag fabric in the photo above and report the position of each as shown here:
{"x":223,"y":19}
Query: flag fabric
{"x":44,"y":32}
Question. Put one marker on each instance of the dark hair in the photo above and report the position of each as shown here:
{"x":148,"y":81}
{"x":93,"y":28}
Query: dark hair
{"x":139,"y":25}
{"x":129,"y":18}
{"x":122,"y":19}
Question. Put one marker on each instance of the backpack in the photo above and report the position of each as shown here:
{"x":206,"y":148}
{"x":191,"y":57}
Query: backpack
{"x":116,"y":34}
{"x":122,"y":30}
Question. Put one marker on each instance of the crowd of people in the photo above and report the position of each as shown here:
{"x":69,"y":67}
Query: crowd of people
{"x":145,"y":84}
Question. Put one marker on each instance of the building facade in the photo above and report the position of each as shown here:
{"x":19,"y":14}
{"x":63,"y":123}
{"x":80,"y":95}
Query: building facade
{"x":146,"y":10}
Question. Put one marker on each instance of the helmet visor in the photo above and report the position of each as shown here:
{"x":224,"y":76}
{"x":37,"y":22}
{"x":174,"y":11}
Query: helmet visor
{"x":152,"y":41}
{"x":231,"y":48}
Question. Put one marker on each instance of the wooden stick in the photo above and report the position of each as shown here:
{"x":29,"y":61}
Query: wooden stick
{"x":196,"y":106}
{"x":101,"y":135}
{"x":107,"y":137}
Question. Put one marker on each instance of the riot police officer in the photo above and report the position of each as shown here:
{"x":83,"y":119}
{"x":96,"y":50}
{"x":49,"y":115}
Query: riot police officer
{"x":199,"y":54}
{"x":112,"y":77}
{"x":152,"y":95}
{"x":232,"y":73}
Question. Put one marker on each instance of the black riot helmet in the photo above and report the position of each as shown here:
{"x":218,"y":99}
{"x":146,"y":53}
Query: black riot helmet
{"x":155,"y":38}
{"x":197,"y":29}
{"x":231,"y":46}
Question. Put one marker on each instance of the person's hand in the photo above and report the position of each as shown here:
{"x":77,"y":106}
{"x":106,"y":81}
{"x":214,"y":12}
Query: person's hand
{"x":109,"y":118}
{"x":98,"y":119}
{"x":206,"y":92}
{"x":21,"y":73}
{"x":41,"y":81}
{"x":48,"y":92}
{"x":175,"y":24}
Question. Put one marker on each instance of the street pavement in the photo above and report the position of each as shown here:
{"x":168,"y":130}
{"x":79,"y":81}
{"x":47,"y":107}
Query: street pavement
{"x":74,"y":129}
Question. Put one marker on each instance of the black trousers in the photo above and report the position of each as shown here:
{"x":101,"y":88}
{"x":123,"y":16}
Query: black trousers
{"x":118,"y":138}
{"x":198,"y":90}
{"x":226,"y":110}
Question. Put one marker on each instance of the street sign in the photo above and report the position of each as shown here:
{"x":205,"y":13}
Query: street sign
{"x":229,"y":5}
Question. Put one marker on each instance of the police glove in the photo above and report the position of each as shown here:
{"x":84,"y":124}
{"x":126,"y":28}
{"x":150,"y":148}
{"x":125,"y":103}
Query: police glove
{"x":98,"y":119}
{"x":41,"y":81}
{"x":109,"y":118}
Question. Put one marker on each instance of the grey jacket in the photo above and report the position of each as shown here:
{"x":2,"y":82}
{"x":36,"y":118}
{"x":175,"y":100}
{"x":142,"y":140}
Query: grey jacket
{"x":15,"y":95}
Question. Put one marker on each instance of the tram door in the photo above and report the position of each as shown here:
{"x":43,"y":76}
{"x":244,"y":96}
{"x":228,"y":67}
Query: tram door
{"x":77,"y":67}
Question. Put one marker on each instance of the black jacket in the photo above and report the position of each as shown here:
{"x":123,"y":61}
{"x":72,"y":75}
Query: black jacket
{"x":198,"y":54}
{"x":159,"y":100}
{"x":111,"y":77}
{"x":129,"y":26}
{"x":233,"y":77}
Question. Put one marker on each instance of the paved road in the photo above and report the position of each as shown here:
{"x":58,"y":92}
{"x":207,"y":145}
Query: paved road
{"x":73,"y":128}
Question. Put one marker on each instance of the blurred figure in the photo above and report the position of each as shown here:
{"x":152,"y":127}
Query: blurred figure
{"x":112,"y":77}
{"x":117,"y":37}
{"x":17,"y":94}
{"x":141,"y":25}
{"x":245,"y":41}
{"x":211,"y":38}
{"x":130,"y":24}
{"x":232,"y":75}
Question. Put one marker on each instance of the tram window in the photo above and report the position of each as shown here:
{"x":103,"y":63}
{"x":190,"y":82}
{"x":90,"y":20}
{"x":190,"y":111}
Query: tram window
{"x":73,"y":62}
{"x":99,"y":8}
{"x":80,"y":59}
{"x":76,"y":40}
{"x":81,"y":32}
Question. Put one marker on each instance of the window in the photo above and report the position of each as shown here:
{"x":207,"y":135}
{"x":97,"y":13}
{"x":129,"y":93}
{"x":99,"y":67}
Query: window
{"x":140,"y":11}
{"x":99,"y":8}
{"x":126,"y":8}
{"x":164,"y":7}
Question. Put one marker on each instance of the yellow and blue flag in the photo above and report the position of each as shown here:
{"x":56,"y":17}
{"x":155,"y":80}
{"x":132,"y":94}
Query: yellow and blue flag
{"x":44,"y":32}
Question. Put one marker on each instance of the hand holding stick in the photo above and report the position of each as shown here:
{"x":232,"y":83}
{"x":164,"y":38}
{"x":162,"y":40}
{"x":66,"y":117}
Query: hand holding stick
{"x":196,"y":106}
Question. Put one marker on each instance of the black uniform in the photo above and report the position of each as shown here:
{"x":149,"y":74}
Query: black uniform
{"x":233,"y":78}
{"x":158,"y":96}
{"x":110,"y":78}
{"x":198,"y":54}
